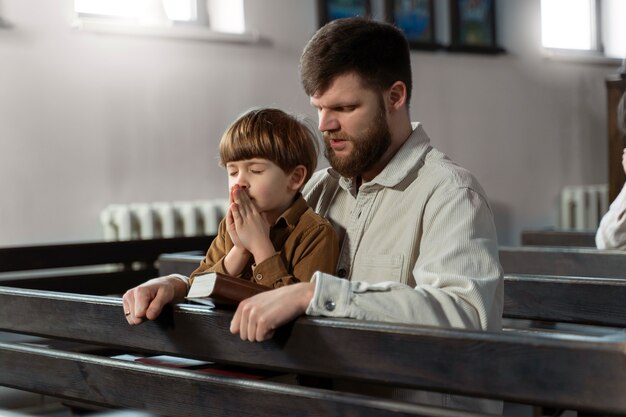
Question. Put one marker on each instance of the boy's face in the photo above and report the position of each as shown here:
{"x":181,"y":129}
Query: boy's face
{"x":268,"y":186}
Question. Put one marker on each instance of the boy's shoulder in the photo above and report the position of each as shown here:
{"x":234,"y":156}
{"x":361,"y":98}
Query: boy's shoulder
{"x":312,"y":224}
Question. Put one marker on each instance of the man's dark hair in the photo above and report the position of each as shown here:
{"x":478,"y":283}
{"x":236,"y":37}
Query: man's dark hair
{"x":378,"y":52}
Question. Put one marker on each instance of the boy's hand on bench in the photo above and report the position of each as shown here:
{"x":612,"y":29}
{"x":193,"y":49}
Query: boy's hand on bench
{"x":258,"y":317}
{"x":146,"y":301}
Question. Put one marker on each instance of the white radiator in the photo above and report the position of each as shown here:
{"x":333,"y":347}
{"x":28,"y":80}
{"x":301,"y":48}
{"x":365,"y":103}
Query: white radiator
{"x":583,"y":206}
{"x":162,"y":219}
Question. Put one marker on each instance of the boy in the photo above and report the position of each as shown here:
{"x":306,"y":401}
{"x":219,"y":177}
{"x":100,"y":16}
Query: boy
{"x":269,"y":235}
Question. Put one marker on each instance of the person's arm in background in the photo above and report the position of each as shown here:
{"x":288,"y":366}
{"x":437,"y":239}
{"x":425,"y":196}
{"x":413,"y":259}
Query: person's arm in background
{"x":611,"y":233}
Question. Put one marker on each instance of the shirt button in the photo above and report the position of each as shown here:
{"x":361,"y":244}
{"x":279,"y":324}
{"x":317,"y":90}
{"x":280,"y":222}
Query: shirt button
{"x":258,"y":277}
{"x":342,"y":273}
{"x":329,"y":305}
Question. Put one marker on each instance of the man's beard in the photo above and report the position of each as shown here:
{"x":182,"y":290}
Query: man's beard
{"x":366,"y":150}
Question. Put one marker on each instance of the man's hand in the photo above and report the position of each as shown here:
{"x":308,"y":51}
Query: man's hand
{"x":258,"y":317}
{"x":624,"y":160}
{"x":146,"y":301}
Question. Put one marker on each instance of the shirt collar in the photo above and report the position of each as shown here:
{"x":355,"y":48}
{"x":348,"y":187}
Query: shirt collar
{"x":292,"y":215}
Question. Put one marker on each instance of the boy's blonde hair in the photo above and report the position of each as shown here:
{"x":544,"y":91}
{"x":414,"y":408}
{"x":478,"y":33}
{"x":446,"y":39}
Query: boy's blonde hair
{"x":271,"y":134}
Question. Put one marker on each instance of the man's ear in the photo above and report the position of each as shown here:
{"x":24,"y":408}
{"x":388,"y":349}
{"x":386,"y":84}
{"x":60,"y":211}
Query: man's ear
{"x":397,"y":95}
{"x":296,"y":178}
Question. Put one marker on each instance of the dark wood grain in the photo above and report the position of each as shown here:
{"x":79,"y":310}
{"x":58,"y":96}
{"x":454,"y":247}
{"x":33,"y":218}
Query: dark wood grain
{"x":97,"y":268}
{"x":585,"y":239}
{"x":556,"y":370}
{"x":179,"y":263}
{"x":581,"y":262}
{"x":174,"y":392}
{"x":95,"y":253}
{"x":107,"y":283}
{"x":593,"y":301}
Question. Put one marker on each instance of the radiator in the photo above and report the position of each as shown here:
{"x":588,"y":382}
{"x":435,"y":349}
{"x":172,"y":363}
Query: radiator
{"x":583,"y":206}
{"x":162,"y":219}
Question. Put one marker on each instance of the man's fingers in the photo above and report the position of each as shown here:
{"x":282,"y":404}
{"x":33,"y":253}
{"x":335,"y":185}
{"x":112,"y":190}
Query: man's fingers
{"x":161,"y":298}
{"x":127,"y":305}
{"x":234,"y":324}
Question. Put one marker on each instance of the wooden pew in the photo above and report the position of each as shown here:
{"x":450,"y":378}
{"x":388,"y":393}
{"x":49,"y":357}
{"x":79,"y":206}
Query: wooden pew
{"x":588,"y":301}
{"x":556,"y":237}
{"x":573,"y":372}
{"x":113,"y":266}
{"x":575,"y":300}
{"x":581,"y":262}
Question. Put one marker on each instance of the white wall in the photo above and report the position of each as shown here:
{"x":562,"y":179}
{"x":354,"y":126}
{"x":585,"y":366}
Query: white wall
{"x":87,"y":120}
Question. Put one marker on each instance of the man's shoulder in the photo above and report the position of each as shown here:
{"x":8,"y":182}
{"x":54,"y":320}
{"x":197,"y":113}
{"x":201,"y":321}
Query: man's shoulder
{"x":319,"y":177}
{"x":322,"y":183}
{"x":444,"y":172}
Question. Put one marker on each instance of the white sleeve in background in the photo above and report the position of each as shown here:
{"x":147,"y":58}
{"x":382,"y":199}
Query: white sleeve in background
{"x":611,"y":233}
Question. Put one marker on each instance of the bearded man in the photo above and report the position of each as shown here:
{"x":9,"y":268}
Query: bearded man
{"x":417,"y":236}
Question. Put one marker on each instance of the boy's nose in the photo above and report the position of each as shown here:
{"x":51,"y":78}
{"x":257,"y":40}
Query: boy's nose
{"x":242,"y":182}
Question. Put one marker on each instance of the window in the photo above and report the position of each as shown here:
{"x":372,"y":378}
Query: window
{"x":568,"y":24}
{"x":173,"y":18}
{"x":594,"y":27}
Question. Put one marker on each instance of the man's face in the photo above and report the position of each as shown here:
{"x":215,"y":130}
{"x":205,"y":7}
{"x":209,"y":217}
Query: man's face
{"x":354,"y":124}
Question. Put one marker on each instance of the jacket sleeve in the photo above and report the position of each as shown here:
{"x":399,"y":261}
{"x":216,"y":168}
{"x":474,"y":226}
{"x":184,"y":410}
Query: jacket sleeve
{"x":316,"y":249}
{"x":214,"y":259}
{"x":458,"y":275}
{"x":611,"y":233}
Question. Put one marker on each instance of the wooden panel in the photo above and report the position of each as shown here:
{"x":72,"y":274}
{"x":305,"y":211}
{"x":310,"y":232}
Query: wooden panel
{"x":172,"y":392}
{"x":566,"y":371}
{"x":94,"y":284}
{"x":179,"y":263}
{"x":563,"y":261}
{"x":559,"y":238}
{"x":95,"y":253}
{"x":568,"y":300}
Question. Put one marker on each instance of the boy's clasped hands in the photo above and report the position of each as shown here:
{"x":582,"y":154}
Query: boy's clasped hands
{"x":249,"y":229}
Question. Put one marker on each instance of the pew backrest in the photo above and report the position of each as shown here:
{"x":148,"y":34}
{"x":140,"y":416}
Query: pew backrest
{"x":108,"y":267}
{"x":581,"y":262}
{"x":574,"y":238}
{"x":575,"y":372}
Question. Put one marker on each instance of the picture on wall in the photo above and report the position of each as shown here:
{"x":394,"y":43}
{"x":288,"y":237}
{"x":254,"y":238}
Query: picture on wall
{"x":416,"y":18}
{"x":473,"y":26}
{"x":336,"y":9}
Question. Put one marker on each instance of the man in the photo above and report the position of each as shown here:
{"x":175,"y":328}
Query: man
{"x":418,"y":242}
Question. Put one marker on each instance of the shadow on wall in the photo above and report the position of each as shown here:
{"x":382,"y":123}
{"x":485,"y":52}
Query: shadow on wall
{"x":502,"y":218}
